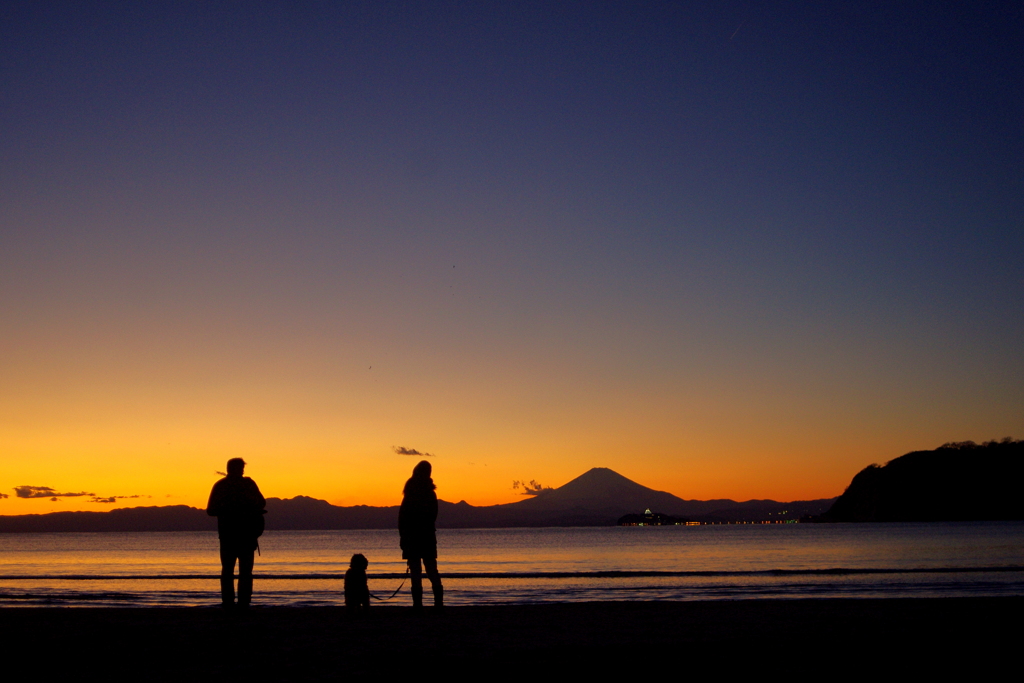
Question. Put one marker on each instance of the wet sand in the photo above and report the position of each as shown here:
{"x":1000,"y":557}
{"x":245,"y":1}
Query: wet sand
{"x":815,"y":637}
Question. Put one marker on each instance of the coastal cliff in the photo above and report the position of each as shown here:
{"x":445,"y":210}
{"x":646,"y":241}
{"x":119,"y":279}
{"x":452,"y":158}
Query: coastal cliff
{"x":961,"y":481}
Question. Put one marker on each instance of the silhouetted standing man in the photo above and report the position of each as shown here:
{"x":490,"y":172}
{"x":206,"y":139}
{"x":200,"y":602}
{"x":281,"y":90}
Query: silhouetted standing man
{"x":417,"y":535}
{"x":238,"y":505}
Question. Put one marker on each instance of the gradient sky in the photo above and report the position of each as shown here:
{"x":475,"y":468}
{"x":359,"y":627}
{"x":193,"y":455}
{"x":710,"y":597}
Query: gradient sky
{"x":727,"y":249}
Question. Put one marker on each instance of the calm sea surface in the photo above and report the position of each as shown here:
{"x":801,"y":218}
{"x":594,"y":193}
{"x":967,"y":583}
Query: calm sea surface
{"x":531,"y":565}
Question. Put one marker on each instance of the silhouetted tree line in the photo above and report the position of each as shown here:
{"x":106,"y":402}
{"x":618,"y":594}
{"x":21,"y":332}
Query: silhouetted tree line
{"x":958,"y":481}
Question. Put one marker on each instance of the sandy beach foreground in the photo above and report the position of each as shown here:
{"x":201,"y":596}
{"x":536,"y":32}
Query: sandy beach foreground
{"x":319,"y":643}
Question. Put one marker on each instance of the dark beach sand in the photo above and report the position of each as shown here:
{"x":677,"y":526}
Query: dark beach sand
{"x":815,"y":637}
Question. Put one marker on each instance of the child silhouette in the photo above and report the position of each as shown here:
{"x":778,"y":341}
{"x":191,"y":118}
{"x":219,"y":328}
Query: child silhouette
{"x":357,"y":593}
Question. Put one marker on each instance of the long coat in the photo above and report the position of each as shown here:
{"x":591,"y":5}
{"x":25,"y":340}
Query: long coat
{"x":416,"y":518}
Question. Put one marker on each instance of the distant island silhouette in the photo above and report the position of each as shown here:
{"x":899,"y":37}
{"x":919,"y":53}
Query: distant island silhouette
{"x":598,"y":497}
{"x":960,"y":481}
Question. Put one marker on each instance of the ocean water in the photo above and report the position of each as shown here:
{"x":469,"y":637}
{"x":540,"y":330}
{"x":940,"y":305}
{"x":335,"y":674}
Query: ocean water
{"x":493,"y":566}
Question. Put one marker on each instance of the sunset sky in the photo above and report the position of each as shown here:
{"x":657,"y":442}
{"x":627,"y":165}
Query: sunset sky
{"x":727,"y":249}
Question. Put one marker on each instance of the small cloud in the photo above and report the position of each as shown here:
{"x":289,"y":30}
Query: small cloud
{"x":402,"y":450}
{"x":530,"y":488}
{"x":114,"y":499}
{"x":46,"y":492}
{"x":4,"y":495}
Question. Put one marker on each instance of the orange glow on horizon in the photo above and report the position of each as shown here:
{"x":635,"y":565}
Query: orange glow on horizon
{"x":184,"y":473}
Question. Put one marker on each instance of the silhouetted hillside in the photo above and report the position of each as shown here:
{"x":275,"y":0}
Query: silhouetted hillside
{"x":162,"y":518}
{"x":955,"y":482}
{"x":305,"y":513}
{"x":596,"y":498}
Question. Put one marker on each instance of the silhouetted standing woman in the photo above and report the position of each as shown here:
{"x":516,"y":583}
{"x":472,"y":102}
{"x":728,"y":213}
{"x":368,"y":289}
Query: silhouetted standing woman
{"x":418,"y":537}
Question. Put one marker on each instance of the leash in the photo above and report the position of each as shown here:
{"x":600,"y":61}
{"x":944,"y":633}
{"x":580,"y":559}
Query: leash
{"x":396,"y":590}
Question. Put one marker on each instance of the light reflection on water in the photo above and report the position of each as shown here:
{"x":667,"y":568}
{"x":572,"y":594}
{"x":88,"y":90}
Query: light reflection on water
{"x":713,"y":562}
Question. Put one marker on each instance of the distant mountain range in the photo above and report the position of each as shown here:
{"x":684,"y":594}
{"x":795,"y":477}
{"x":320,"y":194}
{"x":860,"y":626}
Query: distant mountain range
{"x":597,"y":498}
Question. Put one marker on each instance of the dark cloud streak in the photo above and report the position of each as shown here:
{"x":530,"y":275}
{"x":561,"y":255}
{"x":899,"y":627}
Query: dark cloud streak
{"x":114,"y":499}
{"x":46,"y":492}
{"x":530,"y":488}
{"x":402,"y":450}
{"x":54,"y":495}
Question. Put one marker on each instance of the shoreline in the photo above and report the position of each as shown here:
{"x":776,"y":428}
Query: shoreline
{"x":322,"y":642}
